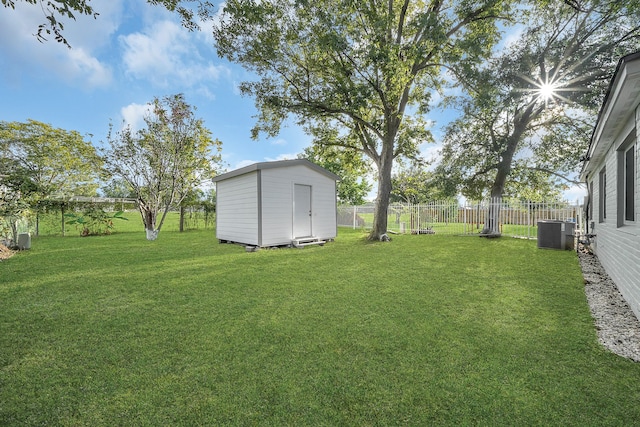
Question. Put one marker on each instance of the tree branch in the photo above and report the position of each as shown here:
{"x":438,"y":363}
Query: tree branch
{"x":550,"y":172}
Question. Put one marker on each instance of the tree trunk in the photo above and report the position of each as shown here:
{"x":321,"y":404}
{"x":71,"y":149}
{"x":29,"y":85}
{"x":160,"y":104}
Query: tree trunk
{"x":181,"y":219}
{"x":384,"y":192}
{"x":149,"y":220}
{"x":62,"y":217}
{"x":492,"y":221}
{"x":13,"y":223}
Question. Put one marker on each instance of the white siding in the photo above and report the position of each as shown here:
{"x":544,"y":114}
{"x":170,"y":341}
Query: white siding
{"x":277,"y":186}
{"x":618,"y":247}
{"x":237,"y":209}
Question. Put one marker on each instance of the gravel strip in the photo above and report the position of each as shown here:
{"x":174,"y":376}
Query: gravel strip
{"x":617,"y":326}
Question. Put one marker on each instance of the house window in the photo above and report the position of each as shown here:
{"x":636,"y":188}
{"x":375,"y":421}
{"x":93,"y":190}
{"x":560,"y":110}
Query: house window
{"x":602,"y":196}
{"x":629,"y":184}
{"x":590,"y":202}
{"x":626,"y":181}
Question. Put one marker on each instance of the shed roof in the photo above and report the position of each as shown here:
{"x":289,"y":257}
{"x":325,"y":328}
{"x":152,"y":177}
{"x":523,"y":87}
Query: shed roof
{"x":276,"y":164}
{"x":622,"y":96}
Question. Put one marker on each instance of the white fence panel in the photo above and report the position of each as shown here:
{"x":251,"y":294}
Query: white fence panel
{"x":517,"y":219}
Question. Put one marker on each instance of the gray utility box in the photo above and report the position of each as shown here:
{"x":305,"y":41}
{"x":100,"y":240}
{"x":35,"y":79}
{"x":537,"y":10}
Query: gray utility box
{"x":24,"y":241}
{"x":556,"y":234}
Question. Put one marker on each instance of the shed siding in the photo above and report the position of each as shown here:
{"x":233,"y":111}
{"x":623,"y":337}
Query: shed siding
{"x":618,"y":247}
{"x":237,"y":209}
{"x":277,"y":203}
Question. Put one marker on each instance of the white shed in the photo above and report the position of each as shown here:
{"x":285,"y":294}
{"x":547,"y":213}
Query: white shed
{"x":288,"y":202}
{"x":613,"y":177}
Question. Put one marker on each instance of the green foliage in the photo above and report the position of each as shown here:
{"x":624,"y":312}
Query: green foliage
{"x":511,"y":123}
{"x":350,"y":72}
{"x":57,"y":11}
{"x":39,"y":162}
{"x":166,"y":161}
{"x":349,"y":165}
{"x":50,"y":161}
{"x":111,"y":330}
{"x":94,"y":221}
{"x":415,"y":184}
{"x":117,"y":188}
{"x":531,"y":185}
{"x":16,"y":190}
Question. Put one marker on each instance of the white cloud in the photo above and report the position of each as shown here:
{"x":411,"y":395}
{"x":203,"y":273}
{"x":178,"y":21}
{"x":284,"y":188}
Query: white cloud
{"x":206,"y":28}
{"x":243,"y":163}
{"x":436,"y":97}
{"x":164,"y":53}
{"x":575,"y":192}
{"x":247,"y":162}
{"x":78,"y":66}
{"x":236,"y":88}
{"x":90,"y":68}
{"x":509,"y":39}
{"x":279,"y":141}
{"x":431,"y":153}
{"x":286,"y":156}
{"x":134,"y":114}
{"x":89,"y":32}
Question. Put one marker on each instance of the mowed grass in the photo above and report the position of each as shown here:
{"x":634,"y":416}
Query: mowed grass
{"x":425,"y":330}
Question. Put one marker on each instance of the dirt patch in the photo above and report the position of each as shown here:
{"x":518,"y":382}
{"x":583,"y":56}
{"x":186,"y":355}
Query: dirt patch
{"x":5,"y":252}
{"x":617,"y":326}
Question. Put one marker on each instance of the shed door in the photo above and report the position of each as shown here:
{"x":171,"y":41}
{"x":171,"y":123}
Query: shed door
{"x":301,"y":210}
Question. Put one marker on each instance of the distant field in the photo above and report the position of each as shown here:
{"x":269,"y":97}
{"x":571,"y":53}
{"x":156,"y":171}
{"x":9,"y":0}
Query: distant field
{"x":50,"y":224}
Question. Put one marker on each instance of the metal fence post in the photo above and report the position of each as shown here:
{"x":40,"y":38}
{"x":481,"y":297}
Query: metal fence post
{"x":355,"y":208}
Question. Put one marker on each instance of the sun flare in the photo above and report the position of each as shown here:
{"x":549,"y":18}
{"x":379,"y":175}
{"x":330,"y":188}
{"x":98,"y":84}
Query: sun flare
{"x":546,"y":92}
{"x":549,"y":90}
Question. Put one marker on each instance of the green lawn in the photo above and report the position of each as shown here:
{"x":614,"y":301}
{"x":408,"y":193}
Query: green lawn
{"x":424,"y":330}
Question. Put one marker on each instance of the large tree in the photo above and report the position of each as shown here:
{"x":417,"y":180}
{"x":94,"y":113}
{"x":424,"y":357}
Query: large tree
{"x":363,"y":69}
{"x":57,"y":162}
{"x":530,"y":111}
{"x":40,"y":164}
{"x":55,"y":12}
{"x":164,"y":162}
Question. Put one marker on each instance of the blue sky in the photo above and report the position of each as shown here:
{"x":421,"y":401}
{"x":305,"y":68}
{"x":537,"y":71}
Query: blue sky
{"x":119,"y":62}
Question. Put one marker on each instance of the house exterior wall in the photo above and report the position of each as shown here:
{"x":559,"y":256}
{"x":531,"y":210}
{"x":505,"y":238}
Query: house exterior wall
{"x":237,"y":217}
{"x":277,"y":186}
{"x":617,"y":241}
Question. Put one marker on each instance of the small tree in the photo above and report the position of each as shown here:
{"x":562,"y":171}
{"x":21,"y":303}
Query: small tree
{"x":16,"y":190}
{"x":415,"y":184}
{"x":118,"y":188}
{"x":165,"y":161}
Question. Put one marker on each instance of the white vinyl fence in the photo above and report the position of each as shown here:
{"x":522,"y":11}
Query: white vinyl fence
{"x":517,"y":219}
